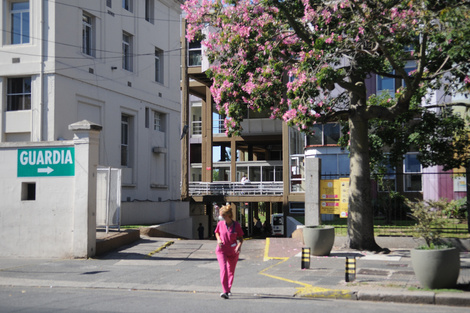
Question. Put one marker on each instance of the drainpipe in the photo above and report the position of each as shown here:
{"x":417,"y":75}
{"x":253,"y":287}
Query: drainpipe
{"x":41,"y":75}
{"x":184,"y":114}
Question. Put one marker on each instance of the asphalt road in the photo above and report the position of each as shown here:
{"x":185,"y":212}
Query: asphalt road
{"x":38,"y":300}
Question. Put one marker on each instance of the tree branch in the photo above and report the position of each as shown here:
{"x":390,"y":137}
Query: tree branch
{"x":292,"y":22}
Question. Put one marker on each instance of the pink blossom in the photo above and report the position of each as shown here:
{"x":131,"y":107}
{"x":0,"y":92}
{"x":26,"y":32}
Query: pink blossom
{"x":289,"y":115}
{"x":249,"y":87}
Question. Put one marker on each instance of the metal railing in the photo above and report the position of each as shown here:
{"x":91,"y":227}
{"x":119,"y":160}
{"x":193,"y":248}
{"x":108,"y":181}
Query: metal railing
{"x":218,"y":126}
{"x":236,"y":188}
{"x":196,"y":128}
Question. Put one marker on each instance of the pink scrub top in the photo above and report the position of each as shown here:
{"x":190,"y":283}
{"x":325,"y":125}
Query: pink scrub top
{"x":228,"y":235}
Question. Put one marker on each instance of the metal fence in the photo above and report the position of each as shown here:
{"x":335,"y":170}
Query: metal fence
{"x":391,"y":213}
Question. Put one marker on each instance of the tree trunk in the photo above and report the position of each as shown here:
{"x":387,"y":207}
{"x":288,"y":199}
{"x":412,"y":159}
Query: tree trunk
{"x":361,"y":214}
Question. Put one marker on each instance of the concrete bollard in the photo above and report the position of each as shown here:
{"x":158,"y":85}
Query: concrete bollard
{"x":350,"y":270}
{"x":305,"y":258}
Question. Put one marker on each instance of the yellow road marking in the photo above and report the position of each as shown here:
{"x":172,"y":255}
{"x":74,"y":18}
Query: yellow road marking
{"x":168,"y":243}
{"x":306,"y":290}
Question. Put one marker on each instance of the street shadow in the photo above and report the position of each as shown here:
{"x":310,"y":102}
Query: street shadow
{"x":346,"y":254}
{"x":93,"y":272}
{"x":258,"y":297}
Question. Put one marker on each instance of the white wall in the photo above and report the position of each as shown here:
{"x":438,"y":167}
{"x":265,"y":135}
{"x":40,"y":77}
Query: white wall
{"x":39,"y":228}
{"x":60,"y":220}
{"x":153,"y":213}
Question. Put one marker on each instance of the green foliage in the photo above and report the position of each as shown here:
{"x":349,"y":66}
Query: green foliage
{"x":457,"y":209}
{"x":440,"y":138}
{"x":428,"y":215}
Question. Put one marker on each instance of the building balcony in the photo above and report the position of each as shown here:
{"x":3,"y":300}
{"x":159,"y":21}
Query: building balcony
{"x":235,"y":188}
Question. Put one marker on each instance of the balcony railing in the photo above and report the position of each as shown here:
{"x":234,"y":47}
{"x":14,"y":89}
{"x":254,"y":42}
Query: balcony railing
{"x":196,"y":128}
{"x":218,"y":126}
{"x":236,"y":189}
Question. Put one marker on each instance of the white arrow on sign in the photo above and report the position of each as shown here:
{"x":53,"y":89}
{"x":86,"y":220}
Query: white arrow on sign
{"x":47,"y":170}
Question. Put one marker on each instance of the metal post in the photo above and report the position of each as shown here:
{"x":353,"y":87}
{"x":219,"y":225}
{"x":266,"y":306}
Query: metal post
{"x":350,"y":270}
{"x":305,"y":258}
{"x":184,"y":115}
{"x":108,"y":197}
{"x":467,"y":177}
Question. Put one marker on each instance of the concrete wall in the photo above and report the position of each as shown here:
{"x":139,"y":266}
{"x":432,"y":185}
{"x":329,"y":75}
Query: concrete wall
{"x":39,"y":228}
{"x":186,"y":228}
{"x":152,"y":213}
{"x":60,"y":221}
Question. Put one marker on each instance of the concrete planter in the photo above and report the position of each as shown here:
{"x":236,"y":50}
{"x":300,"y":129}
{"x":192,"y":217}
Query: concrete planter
{"x":436,"y":269}
{"x":319,"y":239}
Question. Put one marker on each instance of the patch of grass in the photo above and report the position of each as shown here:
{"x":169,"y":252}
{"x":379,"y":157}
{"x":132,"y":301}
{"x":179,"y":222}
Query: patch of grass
{"x":134,"y":226}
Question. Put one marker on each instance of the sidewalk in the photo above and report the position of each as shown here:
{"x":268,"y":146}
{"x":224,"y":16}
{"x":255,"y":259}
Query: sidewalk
{"x":270,"y":267}
{"x":379,"y":277}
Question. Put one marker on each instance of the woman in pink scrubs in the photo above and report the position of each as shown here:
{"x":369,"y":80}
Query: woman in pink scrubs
{"x":228,"y":248}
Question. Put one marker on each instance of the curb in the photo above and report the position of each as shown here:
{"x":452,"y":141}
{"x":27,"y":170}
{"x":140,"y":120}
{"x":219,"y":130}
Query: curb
{"x":415,"y":297}
{"x":418,"y":297}
{"x":329,"y":294}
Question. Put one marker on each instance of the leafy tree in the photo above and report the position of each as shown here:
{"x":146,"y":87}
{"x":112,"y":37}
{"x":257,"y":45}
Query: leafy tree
{"x":309,"y":61}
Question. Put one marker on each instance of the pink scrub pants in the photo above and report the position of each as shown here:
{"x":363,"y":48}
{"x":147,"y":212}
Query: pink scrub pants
{"x":227,"y":263}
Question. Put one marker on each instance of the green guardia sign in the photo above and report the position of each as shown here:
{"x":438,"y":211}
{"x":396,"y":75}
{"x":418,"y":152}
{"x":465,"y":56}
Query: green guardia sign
{"x":46,"y":162}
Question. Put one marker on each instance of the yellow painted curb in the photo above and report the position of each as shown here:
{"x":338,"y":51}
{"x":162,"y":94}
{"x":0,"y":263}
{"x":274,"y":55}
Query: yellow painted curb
{"x":169,"y":243}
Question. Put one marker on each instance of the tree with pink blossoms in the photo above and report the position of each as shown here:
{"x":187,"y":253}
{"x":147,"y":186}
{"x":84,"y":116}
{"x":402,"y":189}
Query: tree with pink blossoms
{"x":308,"y":62}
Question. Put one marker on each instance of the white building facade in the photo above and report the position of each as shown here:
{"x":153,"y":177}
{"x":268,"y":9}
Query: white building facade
{"x":112,"y":62}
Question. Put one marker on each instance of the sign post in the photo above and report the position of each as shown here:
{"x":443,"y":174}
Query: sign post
{"x":39,"y":162}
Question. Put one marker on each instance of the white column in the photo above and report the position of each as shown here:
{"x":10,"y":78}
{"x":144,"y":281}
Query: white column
{"x":312,"y":191}
{"x":86,"y":141}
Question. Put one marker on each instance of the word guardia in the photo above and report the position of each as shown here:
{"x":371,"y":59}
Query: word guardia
{"x":46,"y":157}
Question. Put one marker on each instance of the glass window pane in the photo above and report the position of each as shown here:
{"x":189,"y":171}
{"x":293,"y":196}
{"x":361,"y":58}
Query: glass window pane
{"x":332,"y":134}
{"x":194,"y":44}
{"x":15,"y":85}
{"x":195,"y":58}
{"x":255,"y":173}
{"x":16,"y":28}
{"x":20,"y":6}
{"x":317,"y":137}
{"x":278,"y":173}
{"x":241,"y":171}
{"x":25,"y":27}
{"x":385,"y":83}
{"x":412,"y":164}
{"x":124,"y":155}
{"x":268,"y":173}
{"x":221,"y":174}
{"x":413,"y":182}
{"x":13,"y":103}
{"x":27,"y":102}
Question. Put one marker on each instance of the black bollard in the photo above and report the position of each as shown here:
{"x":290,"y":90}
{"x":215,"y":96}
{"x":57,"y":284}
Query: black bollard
{"x":350,"y":272}
{"x":305,"y":258}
